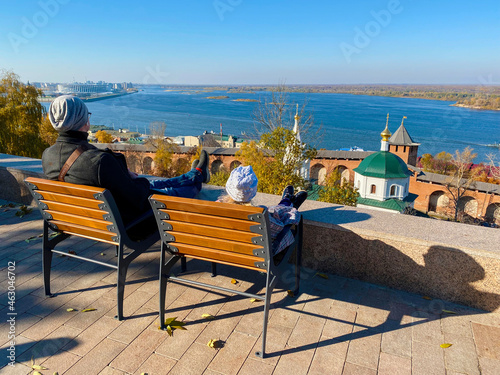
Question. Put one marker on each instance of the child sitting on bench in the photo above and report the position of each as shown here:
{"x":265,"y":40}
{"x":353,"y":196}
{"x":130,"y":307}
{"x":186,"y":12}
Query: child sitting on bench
{"x":241,"y":187}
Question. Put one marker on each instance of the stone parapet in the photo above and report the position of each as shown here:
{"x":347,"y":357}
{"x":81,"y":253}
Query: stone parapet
{"x":442,"y":260}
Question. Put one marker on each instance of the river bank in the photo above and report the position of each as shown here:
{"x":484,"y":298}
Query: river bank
{"x":48,"y":99}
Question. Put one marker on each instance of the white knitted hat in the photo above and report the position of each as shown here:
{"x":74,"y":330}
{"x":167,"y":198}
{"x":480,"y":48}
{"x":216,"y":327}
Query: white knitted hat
{"x":242,"y":184}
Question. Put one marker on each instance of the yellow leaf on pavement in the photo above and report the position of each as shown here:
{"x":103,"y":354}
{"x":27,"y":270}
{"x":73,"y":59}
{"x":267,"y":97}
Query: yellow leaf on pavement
{"x":427,"y":298}
{"x":322,"y":275}
{"x":446,"y":345}
{"x":208,"y":317}
{"x":38,"y":367}
{"x":449,"y":312}
{"x":169,"y":330}
{"x":254,"y":300}
{"x":70,"y":310}
{"x":290,"y":293}
{"x":87,"y":310}
{"x":234,"y":281}
{"x":216,"y":344}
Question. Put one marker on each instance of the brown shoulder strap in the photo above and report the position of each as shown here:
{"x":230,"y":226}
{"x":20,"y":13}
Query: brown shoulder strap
{"x":72,"y":158}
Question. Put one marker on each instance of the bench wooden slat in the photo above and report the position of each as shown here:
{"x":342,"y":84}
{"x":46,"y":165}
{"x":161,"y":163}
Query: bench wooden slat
{"x":230,"y":264}
{"x":76,"y":201}
{"x":222,"y":222}
{"x":76,"y":210}
{"x":82,"y":191}
{"x":203,"y":230}
{"x":217,"y":255}
{"x":215,"y":243}
{"x":208,"y":208}
{"x":86,"y":232}
{"x":80,"y":220}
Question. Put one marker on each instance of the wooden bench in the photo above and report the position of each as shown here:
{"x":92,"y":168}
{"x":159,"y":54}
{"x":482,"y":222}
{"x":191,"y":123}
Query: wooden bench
{"x":88,"y":212}
{"x":224,"y":233}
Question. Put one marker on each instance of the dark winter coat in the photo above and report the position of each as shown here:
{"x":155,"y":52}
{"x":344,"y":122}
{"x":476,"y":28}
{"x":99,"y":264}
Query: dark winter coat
{"x":102,"y":168}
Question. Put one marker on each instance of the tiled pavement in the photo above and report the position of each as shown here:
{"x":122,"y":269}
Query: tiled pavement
{"x":335,"y":326}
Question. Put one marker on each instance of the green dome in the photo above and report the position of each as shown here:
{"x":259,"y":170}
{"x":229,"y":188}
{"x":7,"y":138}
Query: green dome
{"x":383,"y":164}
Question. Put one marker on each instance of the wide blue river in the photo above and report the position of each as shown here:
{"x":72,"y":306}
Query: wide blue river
{"x":347,"y":120}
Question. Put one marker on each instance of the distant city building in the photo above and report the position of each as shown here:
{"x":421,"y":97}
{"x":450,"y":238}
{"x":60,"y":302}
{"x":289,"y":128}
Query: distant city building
{"x":84,"y":88}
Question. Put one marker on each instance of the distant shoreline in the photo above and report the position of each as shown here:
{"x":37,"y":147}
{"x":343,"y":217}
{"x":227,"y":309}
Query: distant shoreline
{"x":48,"y":99}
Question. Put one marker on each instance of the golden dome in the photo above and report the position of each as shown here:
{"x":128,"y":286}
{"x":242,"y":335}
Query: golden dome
{"x":386,"y":134}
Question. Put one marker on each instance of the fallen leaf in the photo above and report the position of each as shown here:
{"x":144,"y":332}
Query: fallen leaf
{"x":234,"y":281}
{"x":38,"y":367}
{"x":446,"y":345}
{"x":427,"y":298}
{"x":322,"y":275}
{"x":72,"y":252}
{"x":255,"y":300}
{"x":103,"y":254}
{"x":290,"y":293}
{"x":216,"y":344}
{"x":70,"y":310}
{"x":172,"y":324}
{"x":208,"y":317}
{"x":87,"y":310}
{"x":449,"y":312}
{"x":55,"y":373}
{"x":37,"y":373}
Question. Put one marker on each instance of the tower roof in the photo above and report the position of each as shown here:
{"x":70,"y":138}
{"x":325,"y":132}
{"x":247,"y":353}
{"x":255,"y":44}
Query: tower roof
{"x":402,"y":138}
{"x":383,"y":164}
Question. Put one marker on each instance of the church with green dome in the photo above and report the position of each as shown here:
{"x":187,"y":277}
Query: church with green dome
{"x":383,"y":179}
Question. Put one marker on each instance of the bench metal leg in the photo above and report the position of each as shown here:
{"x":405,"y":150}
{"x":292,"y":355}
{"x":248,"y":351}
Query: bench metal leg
{"x":164,"y":276}
{"x":120,"y":285}
{"x":46,"y":259}
{"x":214,"y":269}
{"x":267,"y":304}
{"x":183,"y":264}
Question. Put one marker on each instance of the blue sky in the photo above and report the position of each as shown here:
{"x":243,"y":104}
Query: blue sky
{"x":252,"y":41}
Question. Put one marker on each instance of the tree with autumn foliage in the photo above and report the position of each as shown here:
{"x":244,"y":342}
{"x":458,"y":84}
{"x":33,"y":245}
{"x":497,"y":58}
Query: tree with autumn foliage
{"x":462,"y":179}
{"x":338,"y":190}
{"x":21,"y":116}
{"x":276,"y":158}
{"x":103,"y":136}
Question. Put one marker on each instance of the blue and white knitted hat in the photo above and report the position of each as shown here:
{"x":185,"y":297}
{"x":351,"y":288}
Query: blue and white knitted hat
{"x":242,"y":184}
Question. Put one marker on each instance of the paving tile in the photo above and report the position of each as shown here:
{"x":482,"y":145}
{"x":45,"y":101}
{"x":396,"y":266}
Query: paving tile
{"x":294,"y":361}
{"x":230,"y":358}
{"x":156,"y":364}
{"x":339,"y":323}
{"x":23,"y":344}
{"x":92,"y":336}
{"x":252,"y":367}
{"x":371,"y":317}
{"x":17,"y":369}
{"x":487,"y":341}
{"x":353,"y":369}
{"x":195,"y":360}
{"x":427,"y":359}
{"x":50,"y":345}
{"x":130,"y":328}
{"x":397,"y":342}
{"x":489,"y":366}
{"x":23,"y":322}
{"x":427,"y":331}
{"x":60,"y":361}
{"x":175,"y":346}
{"x":141,"y":348}
{"x":277,"y":337}
{"x":459,"y":325}
{"x":98,"y":358}
{"x":329,"y":357}
{"x":461,"y":356}
{"x":111,"y":371}
{"x":364,"y":348}
{"x":390,"y":364}
{"x":219,"y":329}
{"x":83,"y":320}
{"x":306,"y":332}
{"x":48,"y":325}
